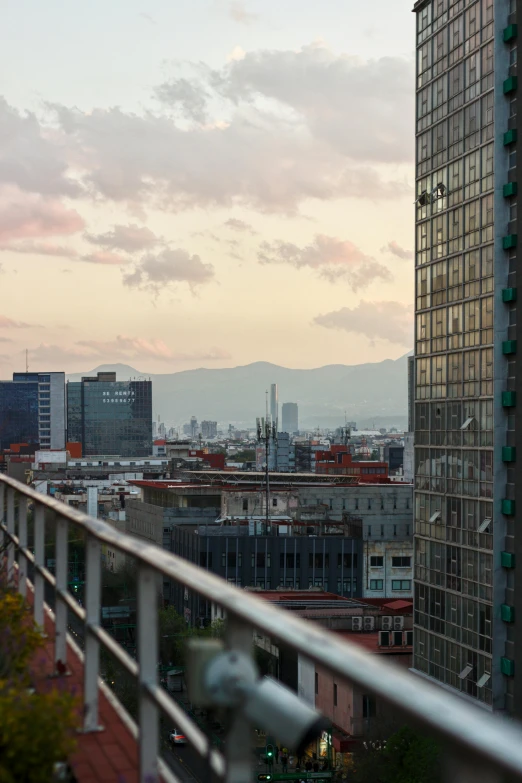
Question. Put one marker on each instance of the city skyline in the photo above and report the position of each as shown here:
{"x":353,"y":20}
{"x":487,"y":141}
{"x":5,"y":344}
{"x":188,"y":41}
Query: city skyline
{"x":224,"y":184}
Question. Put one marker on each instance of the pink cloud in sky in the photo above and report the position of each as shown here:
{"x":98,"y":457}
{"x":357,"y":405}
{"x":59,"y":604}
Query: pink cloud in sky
{"x":106,"y":258}
{"x":29,"y":216}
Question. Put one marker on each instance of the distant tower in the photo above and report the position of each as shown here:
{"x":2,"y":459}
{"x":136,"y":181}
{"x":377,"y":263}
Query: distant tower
{"x":290,"y":419}
{"x":274,"y":403}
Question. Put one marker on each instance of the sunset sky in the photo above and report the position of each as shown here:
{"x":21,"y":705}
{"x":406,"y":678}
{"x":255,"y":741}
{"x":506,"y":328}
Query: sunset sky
{"x":205,"y":183}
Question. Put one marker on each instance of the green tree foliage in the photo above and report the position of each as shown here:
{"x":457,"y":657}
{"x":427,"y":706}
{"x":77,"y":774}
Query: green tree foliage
{"x":36,"y":725}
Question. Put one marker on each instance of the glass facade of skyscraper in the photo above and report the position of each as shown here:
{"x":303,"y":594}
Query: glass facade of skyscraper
{"x":465,"y":106}
{"x":110,"y":417}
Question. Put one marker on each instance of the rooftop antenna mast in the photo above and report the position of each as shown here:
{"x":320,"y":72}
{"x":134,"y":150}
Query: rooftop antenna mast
{"x":26,"y":360}
{"x":266,"y":432}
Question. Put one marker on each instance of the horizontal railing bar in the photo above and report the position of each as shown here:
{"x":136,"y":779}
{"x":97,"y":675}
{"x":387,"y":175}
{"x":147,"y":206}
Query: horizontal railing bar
{"x":197,"y":739}
{"x":116,"y":649}
{"x":71,"y":603}
{"x":450,"y":718}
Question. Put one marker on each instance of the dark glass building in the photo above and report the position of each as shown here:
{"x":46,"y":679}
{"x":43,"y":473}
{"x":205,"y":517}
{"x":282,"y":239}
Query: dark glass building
{"x":18,"y":413}
{"x":32,"y":410}
{"x":110,"y":417}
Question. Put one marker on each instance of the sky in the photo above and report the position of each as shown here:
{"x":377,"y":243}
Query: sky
{"x":205,"y":183}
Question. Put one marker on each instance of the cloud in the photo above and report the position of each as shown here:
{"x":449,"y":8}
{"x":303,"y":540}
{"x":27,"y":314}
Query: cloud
{"x":27,"y":216}
{"x":105,"y":258}
{"x":395,"y":249}
{"x":362,"y":108}
{"x":239,"y":13}
{"x":121,"y":348}
{"x":31,"y":156}
{"x":154,"y":272}
{"x":147,"y":17}
{"x":187,"y":95}
{"x":239,"y":225}
{"x":131,"y":238}
{"x":391,"y":321}
{"x":331,"y":257}
{"x":8,"y":323}
{"x":5,"y":340}
{"x":40,"y":249}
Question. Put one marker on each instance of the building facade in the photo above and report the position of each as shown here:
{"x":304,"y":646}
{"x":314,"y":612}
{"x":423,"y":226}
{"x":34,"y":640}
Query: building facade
{"x":110,"y":417}
{"x":32,"y":410}
{"x":290,"y":418}
{"x":465,"y":345}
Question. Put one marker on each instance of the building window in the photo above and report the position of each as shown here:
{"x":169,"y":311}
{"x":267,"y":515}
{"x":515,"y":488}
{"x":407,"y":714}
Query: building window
{"x":369,"y":707}
{"x":274,"y":501}
{"x":290,"y":561}
{"x":259,"y":560}
{"x":335,"y":694}
{"x":229,"y":559}
{"x":346,"y":561}
{"x":376,"y":561}
{"x":376,"y":584}
{"x":245,"y":504}
{"x":401,"y":584}
{"x":401,"y":562}
{"x":318,"y":561}
{"x":316,"y":683}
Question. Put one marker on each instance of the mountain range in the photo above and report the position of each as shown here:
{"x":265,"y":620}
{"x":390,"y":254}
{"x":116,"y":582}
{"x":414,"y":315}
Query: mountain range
{"x":370,"y":394}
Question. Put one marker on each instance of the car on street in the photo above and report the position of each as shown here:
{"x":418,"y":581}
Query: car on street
{"x":177,"y":738}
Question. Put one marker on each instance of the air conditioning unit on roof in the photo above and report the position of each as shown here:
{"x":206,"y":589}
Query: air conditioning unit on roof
{"x":357,"y":623}
{"x":398,"y":623}
{"x":387,"y":623}
{"x":368,"y":623}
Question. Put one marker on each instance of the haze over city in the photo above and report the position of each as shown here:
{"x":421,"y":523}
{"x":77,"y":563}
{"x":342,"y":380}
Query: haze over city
{"x":205,"y":184}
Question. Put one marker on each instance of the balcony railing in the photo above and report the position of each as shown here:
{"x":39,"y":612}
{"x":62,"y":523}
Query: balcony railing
{"x":478,"y":746}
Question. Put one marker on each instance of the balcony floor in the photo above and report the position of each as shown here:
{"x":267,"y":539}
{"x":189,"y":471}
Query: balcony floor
{"x":108,"y":756}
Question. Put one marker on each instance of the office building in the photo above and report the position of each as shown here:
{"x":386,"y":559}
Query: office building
{"x":32,"y":410}
{"x":209,"y":429}
{"x":110,"y":417}
{"x":290,"y":419}
{"x":274,"y":403}
{"x":466,"y":540}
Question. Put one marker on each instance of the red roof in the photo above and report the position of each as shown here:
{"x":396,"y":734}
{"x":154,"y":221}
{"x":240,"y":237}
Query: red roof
{"x":399,"y":604}
{"x":370,"y":642}
{"x":160,"y":442}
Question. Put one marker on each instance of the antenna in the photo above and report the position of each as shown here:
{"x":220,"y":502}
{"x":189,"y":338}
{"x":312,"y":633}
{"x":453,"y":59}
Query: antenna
{"x":26,"y":360}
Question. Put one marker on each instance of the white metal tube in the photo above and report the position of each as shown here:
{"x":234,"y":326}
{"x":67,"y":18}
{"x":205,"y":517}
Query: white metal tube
{"x":62,"y":569}
{"x":147,"y":605}
{"x":10,"y":529}
{"x":39,"y":557}
{"x":2,"y":498}
{"x":92,"y":597}
{"x":22,"y":540}
{"x":238,"y":742}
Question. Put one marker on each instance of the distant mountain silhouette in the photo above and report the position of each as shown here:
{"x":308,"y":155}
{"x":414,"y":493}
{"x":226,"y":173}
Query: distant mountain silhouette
{"x":370,"y":394}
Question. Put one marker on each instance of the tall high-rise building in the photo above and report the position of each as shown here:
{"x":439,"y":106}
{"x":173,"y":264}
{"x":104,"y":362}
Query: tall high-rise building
{"x":110,"y":417}
{"x":209,"y":429}
{"x":468,"y":597}
{"x":32,"y":410}
{"x":290,"y":418}
{"x":274,"y":403}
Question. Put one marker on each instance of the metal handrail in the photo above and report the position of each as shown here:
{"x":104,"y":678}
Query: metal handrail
{"x":480,"y":746}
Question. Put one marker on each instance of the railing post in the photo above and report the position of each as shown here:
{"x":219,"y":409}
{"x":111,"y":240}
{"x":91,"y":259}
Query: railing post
{"x":62,"y":569}
{"x":2,"y":512}
{"x":22,"y":538}
{"x":147,"y":604}
{"x":92,"y":620}
{"x":10,"y":529}
{"x":238,"y":742}
{"x":39,"y":557}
